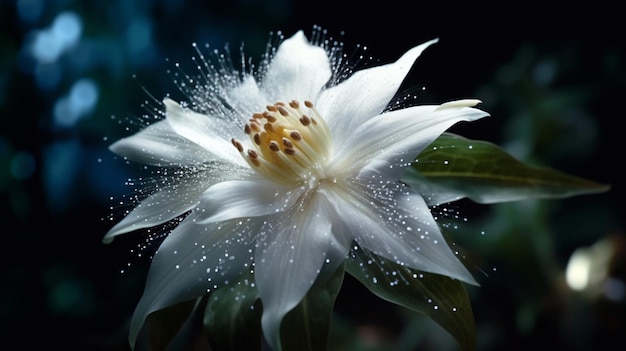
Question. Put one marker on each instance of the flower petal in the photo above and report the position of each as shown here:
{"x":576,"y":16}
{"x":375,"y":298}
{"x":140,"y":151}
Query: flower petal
{"x":162,"y":206}
{"x":365,"y":94}
{"x":246,"y":98}
{"x":159,"y":145}
{"x":292,"y":251}
{"x":192,"y":260}
{"x":389,"y":142}
{"x":298,"y":70}
{"x":397,"y":224}
{"x":212,"y":133}
{"x":252,"y":197}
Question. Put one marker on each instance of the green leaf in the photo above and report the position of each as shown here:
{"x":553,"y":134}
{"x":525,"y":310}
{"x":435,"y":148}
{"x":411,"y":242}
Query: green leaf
{"x":441,"y":298}
{"x":173,"y":325}
{"x":232,"y":318}
{"x":453,"y":167}
{"x":306,"y":327}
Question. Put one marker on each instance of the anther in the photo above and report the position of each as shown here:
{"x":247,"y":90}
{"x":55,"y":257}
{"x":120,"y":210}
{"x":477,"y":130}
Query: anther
{"x":305,"y":120}
{"x":287,"y":143}
{"x":268,"y":127}
{"x":237,"y":144}
{"x":247,"y":129}
{"x":295,"y":135}
{"x":308,"y":103}
{"x":290,"y":152}
{"x":294,"y":104}
{"x":282,"y":111}
{"x":258,"y":115}
{"x":270,"y":118}
{"x":255,"y":127}
{"x":253,"y":154}
{"x":274,"y":146}
{"x":257,"y":139}
{"x":271,"y":108}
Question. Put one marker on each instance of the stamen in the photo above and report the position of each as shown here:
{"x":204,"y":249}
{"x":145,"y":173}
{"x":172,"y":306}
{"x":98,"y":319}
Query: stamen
{"x":237,"y":144}
{"x":305,"y":120}
{"x":253,"y":154}
{"x":255,"y":162}
{"x":287,"y":143}
{"x":289,"y":146}
{"x":282,"y":111}
{"x":255,"y":127}
{"x":274,"y":146}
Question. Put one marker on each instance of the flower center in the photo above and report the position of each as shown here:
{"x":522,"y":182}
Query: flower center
{"x":289,"y":146}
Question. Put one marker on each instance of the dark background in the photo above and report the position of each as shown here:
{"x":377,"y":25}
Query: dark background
{"x":551,"y":76}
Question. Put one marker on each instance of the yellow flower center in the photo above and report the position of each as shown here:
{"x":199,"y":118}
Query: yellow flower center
{"x":289,"y":146}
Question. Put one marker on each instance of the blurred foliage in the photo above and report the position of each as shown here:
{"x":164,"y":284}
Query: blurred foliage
{"x":72,"y":79}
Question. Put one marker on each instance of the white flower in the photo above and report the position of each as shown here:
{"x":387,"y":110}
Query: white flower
{"x":291,"y":168}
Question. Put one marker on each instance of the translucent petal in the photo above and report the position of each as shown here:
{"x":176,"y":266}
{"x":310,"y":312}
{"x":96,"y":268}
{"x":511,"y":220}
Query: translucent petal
{"x":252,"y":197}
{"x":388,"y":142}
{"x":298,"y":71}
{"x":164,"y":205}
{"x":247,"y":98}
{"x":396,"y":223}
{"x":212,"y":133}
{"x":159,"y":145}
{"x":293,"y":249}
{"x":365,"y":94}
{"x":192,"y":260}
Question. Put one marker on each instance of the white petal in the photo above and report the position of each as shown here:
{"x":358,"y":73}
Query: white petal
{"x":212,"y":133}
{"x":388,"y":142}
{"x":191,"y":260}
{"x":252,"y":197}
{"x":159,"y":145}
{"x":298,"y":71}
{"x":162,"y":206}
{"x":247,"y":98}
{"x":365,"y":94}
{"x":294,"y":250}
{"x":402,"y":230}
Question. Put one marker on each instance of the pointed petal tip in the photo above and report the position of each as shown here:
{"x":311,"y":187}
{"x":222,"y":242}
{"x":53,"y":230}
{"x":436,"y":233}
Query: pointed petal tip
{"x":112,"y":234}
{"x":170,"y":104}
{"x":459,"y":104}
